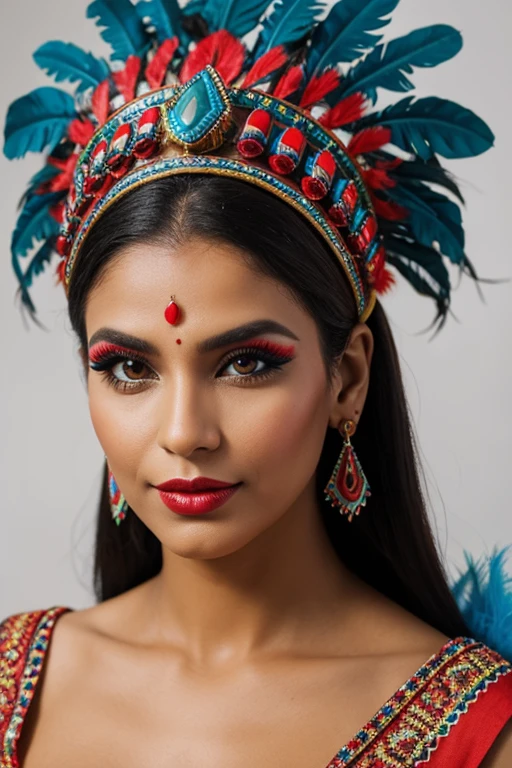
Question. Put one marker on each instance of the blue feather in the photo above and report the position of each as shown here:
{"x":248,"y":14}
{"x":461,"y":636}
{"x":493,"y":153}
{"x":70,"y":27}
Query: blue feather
{"x":484,"y":595}
{"x":35,"y":222}
{"x":433,"y":218}
{"x":346,"y":32}
{"x":237,"y":16}
{"x":37,"y":120}
{"x":123,"y":27}
{"x":388,"y":65}
{"x":434,"y":126}
{"x":165,"y":17}
{"x":289,"y":21}
{"x":69,"y":62}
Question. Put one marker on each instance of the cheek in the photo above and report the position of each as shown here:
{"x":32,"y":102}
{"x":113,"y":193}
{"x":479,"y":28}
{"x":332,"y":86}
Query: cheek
{"x":119,"y":426}
{"x":284,"y":433}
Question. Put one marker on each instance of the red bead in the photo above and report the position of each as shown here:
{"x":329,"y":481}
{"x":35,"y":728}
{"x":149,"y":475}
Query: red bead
{"x":320,"y":175}
{"x":63,"y":245}
{"x":172,"y":313}
{"x":361,"y":241}
{"x":253,"y":139}
{"x":287,"y":151}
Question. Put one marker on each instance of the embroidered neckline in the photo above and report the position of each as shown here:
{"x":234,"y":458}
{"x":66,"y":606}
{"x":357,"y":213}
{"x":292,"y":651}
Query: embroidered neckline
{"x":447,"y":656}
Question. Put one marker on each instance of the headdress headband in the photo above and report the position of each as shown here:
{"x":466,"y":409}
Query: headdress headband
{"x":185,"y":94}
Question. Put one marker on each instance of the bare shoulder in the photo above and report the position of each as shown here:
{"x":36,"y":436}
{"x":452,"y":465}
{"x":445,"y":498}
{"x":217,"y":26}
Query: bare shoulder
{"x":500,"y":754}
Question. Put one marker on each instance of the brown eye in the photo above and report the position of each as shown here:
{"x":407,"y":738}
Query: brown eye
{"x":130,"y":370}
{"x":244,"y":364}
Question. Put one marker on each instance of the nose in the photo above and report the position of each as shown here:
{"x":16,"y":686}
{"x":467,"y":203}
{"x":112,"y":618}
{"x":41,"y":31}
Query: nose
{"x":186,"y":420}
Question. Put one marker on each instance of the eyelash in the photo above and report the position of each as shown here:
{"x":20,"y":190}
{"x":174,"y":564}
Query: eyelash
{"x":105,"y":363}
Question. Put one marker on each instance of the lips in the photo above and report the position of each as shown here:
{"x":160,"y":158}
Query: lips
{"x":197,"y":496}
{"x":193,"y":485}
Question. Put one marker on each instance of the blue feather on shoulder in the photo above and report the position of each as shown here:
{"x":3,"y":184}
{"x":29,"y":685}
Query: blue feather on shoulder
{"x":484,"y":595}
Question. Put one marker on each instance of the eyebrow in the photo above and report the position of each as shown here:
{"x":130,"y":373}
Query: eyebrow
{"x":234,"y":335}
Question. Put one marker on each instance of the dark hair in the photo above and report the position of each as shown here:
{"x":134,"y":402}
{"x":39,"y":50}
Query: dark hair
{"x":390,"y":545}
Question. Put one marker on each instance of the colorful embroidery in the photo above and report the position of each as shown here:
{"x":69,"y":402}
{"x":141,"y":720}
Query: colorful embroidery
{"x":407,"y":729}
{"x":404,"y":732}
{"x":24,"y":641}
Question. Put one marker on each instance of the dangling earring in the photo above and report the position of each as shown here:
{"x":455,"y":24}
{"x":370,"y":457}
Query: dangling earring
{"x":348,"y":487}
{"x":118,"y":503}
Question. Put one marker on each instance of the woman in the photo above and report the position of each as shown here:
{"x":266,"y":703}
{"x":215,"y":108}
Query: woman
{"x":222,"y":254}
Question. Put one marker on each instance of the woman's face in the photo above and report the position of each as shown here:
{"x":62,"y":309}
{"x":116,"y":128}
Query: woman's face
{"x":253,"y":411}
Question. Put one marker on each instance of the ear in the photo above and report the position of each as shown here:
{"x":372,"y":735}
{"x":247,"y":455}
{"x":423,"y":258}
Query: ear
{"x":352,"y":376}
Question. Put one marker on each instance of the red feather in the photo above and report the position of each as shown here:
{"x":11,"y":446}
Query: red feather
{"x":319,"y":87}
{"x":157,"y":68}
{"x":369,"y":140}
{"x":220,"y":49}
{"x":377,"y":178}
{"x":265,"y":66}
{"x":384,"y":280}
{"x":289,"y":82}
{"x":388,"y":209}
{"x":80,"y":131}
{"x":101,"y":102}
{"x":57,"y":212}
{"x":63,"y":179}
{"x":347,"y":111}
{"x":126,"y":79}
{"x":59,"y":272}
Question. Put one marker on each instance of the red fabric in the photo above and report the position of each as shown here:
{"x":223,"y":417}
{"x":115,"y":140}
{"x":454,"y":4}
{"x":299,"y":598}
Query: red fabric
{"x":472,"y":737}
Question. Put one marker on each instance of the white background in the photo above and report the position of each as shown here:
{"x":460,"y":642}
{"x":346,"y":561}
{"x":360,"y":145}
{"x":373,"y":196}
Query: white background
{"x":458,"y":384}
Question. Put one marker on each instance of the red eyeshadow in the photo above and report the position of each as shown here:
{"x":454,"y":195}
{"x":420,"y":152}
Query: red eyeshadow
{"x":280,"y":350}
{"x":103,"y":348}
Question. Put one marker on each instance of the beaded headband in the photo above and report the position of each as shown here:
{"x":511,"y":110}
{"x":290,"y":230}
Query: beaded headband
{"x":187,"y":94}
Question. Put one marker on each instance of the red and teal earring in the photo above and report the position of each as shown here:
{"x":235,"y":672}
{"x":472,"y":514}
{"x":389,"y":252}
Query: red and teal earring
{"x":348,"y":487}
{"x":118,"y":503}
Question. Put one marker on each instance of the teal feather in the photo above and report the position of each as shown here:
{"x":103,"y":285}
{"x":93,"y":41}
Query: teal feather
{"x":35,"y":222}
{"x":194,"y":6}
{"x":69,"y":62}
{"x":411,"y":171}
{"x":122,"y":27}
{"x":347,"y":32}
{"x":35,"y":267}
{"x":165,"y":17}
{"x":290,"y":21}
{"x":434,"y":126}
{"x":433,"y":218}
{"x":47,"y":173}
{"x":423,"y":268}
{"x":36,"y":121}
{"x":388,"y":65}
{"x":484,"y":595}
{"x":237,"y":16}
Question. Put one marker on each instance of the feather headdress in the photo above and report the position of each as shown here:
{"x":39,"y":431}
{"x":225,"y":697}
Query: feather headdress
{"x":369,"y":179}
{"x":484,"y":595}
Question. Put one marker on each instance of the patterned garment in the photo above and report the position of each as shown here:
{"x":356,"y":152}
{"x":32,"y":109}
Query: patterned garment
{"x":447,"y":715}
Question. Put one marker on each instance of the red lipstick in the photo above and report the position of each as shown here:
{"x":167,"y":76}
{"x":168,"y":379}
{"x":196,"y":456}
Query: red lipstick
{"x":196,"y":496}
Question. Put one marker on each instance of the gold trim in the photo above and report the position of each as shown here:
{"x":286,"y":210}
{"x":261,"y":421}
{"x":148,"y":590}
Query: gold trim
{"x":214,"y":170}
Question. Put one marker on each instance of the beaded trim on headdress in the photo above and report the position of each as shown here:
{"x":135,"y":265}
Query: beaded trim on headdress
{"x":291,"y":113}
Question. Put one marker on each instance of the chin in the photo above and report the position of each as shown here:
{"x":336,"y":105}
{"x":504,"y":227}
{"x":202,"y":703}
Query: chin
{"x":204,"y":544}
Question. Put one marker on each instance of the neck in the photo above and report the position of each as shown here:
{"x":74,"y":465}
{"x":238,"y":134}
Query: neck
{"x":271,"y":594}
